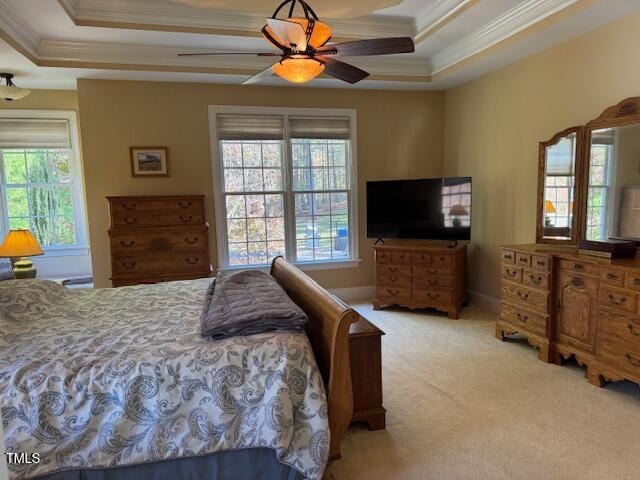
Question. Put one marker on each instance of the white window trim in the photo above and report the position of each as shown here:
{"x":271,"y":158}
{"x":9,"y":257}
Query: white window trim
{"x":77,"y":184}
{"x":218,"y":182}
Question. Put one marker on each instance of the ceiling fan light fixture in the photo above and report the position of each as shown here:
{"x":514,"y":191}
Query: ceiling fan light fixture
{"x":298,"y":70}
{"x":10,"y":92}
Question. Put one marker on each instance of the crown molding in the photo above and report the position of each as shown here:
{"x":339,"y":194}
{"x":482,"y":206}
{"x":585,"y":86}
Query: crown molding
{"x":169,"y":16}
{"x":438,"y":15}
{"x":507,"y":25}
{"x":21,"y":35}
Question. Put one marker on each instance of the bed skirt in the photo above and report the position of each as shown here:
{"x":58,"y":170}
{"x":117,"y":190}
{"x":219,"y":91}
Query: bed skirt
{"x":248,"y":464}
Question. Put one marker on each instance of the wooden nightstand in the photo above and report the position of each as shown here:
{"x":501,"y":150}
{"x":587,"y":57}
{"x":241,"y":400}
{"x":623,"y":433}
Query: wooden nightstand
{"x":366,"y":373}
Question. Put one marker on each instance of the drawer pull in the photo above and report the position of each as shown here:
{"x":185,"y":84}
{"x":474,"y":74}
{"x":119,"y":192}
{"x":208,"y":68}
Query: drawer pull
{"x":577,"y":281}
{"x":184,"y":219}
{"x":522,"y":318}
{"x":523,"y":295}
{"x":129,"y":207}
{"x":511,"y":273}
{"x":192,"y":261}
{"x":524,"y":260}
{"x":636,"y":282}
{"x":432,"y":272}
{"x":393,"y":278}
{"x":433,"y":283}
{"x":536,"y":280}
{"x":393,"y":269}
{"x":393,"y":293}
{"x":191,"y":241}
{"x":128,"y":265}
{"x":433,"y":296}
{"x":541,"y":263}
{"x":127,"y":244}
{"x":631,"y":360}
{"x":182,"y":204}
{"x":613,"y":300}
{"x":632,"y":330}
{"x":507,"y":256}
{"x":578,"y":266}
{"x":612,"y":276}
{"x":130,"y":220}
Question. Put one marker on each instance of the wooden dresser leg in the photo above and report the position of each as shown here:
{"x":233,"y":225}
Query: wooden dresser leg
{"x":453,"y":315}
{"x":376,"y":305}
{"x":544,"y":354}
{"x":595,"y":378}
{"x":499,"y":332}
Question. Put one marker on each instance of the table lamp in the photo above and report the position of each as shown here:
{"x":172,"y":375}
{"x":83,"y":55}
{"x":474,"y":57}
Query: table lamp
{"x":549,"y":208}
{"x":457,"y":211}
{"x":17,"y":245}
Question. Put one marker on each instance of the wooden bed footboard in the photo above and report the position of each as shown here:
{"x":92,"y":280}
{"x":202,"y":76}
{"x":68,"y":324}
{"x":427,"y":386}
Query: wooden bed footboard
{"x":328,"y":332}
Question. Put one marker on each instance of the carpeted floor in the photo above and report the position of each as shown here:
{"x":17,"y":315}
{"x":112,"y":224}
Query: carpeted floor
{"x":463,"y":405}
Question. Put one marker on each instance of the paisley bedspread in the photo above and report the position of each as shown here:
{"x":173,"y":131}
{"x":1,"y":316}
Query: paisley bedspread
{"x":101,"y":378}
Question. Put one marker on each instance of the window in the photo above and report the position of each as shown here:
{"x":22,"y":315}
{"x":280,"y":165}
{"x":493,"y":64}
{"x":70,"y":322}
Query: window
{"x":284,"y":184}
{"x":40,"y":182}
{"x":599,"y":184}
{"x":559,"y":183}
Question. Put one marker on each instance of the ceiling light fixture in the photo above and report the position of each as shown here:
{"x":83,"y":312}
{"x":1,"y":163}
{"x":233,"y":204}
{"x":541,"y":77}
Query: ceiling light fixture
{"x":10,"y":92}
{"x":304,"y":48}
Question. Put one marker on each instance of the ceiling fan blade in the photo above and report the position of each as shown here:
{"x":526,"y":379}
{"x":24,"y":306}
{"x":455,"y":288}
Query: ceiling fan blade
{"x":263,"y":75}
{"x":289,"y":33}
{"x":377,"y":46}
{"x":342,"y":71}
{"x":259,"y":54}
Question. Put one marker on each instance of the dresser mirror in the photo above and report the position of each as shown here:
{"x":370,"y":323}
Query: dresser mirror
{"x":558,"y":163}
{"x":613,"y":191}
{"x":611,"y":186}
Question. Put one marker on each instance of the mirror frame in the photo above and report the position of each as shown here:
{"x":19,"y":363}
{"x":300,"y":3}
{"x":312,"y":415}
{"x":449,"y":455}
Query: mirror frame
{"x":627,"y":112}
{"x":542,"y":170}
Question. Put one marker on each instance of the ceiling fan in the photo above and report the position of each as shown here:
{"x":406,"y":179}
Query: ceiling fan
{"x":305,"y":52}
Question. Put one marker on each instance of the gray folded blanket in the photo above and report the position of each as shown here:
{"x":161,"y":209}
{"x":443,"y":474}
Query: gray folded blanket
{"x":246,"y":303}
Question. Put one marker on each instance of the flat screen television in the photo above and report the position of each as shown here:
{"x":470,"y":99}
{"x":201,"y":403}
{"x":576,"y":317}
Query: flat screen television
{"x":432,"y":208}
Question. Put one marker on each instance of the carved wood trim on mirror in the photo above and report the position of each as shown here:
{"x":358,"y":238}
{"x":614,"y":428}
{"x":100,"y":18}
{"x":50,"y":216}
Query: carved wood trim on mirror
{"x":620,"y":215}
{"x":559,"y":174}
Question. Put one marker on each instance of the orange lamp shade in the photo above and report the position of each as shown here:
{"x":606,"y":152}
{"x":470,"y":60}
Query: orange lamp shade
{"x":298,"y":70}
{"x":320,"y":35}
{"x":20,"y":243}
{"x":458,"y":211}
{"x":549,"y":207}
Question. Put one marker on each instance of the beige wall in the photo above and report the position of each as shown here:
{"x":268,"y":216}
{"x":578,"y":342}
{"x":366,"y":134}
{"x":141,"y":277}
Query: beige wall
{"x":400,"y":135}
{"x":58,"y":266}
{"x":493,"y":126}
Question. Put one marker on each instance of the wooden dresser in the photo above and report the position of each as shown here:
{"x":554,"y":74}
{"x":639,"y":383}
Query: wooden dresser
{"x":584,"y":306}
{"x":158,"y":239}
{"x":365,"y":353}
{"x":421,"y":275}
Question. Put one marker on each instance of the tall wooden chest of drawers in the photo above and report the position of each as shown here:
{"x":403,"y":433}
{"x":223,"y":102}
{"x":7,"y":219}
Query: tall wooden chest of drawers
{"x":421,"y":275}
{"x":572,"y":305}
{"x":158,"y":239}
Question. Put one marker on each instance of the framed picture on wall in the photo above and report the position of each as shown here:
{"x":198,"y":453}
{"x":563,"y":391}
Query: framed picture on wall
{"x":149,"y":161}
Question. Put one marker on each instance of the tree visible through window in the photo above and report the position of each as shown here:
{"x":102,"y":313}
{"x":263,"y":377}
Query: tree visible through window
{"x":39,"y":181}
{"x":598,"y":194}
{"x":38,"y":192}
{"x":285,"y":193}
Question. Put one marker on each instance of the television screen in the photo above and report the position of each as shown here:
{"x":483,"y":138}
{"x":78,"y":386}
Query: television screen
{"x":434,"y":208}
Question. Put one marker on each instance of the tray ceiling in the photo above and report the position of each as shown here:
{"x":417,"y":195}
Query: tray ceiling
{"x":51,"y":43}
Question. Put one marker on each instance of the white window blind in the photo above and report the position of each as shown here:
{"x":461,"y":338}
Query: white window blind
{"x":334,"y":128}
{"x":250,"y":127}
{"x":34,"y":133}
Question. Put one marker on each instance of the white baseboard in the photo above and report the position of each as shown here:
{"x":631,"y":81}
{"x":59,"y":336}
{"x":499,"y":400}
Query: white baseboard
{"x":353,"y":294}
{"x":485,"y":301}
